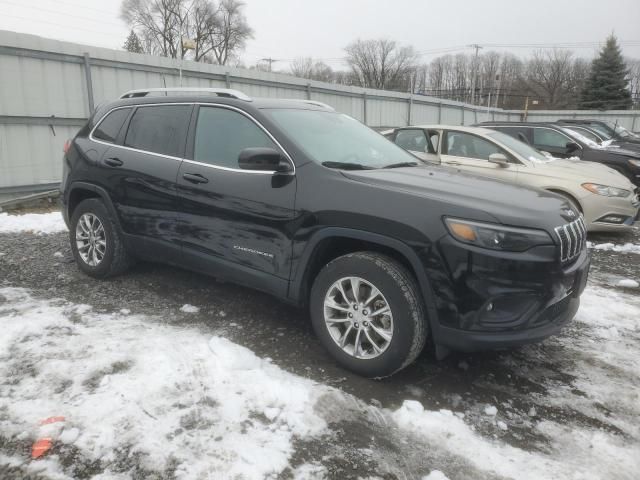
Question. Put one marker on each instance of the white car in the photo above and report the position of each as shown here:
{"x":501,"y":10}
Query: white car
{"x":606,"y":198}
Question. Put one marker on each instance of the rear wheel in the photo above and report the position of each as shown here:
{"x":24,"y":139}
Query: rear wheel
{"x":96,"y":243}
{"x":367,"y":310}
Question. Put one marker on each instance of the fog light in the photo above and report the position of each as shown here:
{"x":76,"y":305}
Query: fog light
{"x":617,"y":219}
{"x":489,"y":307}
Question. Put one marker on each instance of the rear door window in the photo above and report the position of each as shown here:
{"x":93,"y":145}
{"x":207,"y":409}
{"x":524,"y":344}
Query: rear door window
{"x":159,"y":129}
{"x":108,"y":129}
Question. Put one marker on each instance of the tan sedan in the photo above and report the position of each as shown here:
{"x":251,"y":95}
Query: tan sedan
{"x":607,"y":199}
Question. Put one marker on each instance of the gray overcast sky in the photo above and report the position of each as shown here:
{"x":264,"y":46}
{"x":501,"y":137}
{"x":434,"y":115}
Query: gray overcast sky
{"x":284,"y":29}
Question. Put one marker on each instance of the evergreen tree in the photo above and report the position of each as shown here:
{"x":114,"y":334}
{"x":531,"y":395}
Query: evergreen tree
{"x":133,"y":44}
{"x":607,"y":85}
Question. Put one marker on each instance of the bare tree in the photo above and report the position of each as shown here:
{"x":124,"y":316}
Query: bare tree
{"x":219,"y":30}
{"x":380,"y":63}
{"x":302,"y":67}
{"x":307,"y":67}
{"x":634,"y":79}
{"x":549,"y":74}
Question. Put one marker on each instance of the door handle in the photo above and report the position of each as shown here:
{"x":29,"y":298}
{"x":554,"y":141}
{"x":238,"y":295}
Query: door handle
{"x":195,"y":178}
{"x":112,"y":162}
{"x":453,"y":162}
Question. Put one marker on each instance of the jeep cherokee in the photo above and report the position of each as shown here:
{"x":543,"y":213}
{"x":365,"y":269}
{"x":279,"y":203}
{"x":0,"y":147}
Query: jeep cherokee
{"x":297,"y":200}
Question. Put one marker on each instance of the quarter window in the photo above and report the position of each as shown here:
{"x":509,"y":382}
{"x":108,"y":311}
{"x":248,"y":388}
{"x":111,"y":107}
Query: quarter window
{"x":221,"y":134}
{"x":549,"y":138}
{"x":461,"y":144}
{"x":159,"y":129}
{"x":110,"y":126}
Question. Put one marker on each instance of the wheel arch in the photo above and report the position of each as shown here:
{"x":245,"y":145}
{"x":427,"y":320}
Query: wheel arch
{"x":79,"y":191}
{"x":565,"y":193}
{"x":333,"y":242}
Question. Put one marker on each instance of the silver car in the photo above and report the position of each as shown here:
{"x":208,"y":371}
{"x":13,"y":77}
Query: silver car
{"x":606,"y":198}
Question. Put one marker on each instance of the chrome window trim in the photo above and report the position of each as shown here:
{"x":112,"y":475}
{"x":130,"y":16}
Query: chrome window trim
{"x":207,"y":104}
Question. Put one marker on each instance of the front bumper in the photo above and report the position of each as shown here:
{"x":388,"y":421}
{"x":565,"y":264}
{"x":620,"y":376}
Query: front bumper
{"x":502,"y":301}
{"x":608,"y":214}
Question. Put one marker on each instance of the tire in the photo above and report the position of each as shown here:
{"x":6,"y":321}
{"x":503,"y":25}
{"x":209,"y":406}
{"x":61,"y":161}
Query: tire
{"x":399,"y":292}
{"x":115,"y":259}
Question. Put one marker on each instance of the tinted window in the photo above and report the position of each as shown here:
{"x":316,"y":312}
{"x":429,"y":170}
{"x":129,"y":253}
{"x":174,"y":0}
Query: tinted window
{"x":109,"y":128}
{"x":583,"y":131}
{"x":549,"y":138}
{"x":159,"y":129}
{"x":521,"y":133}
{"x":462,"y":144}
{"x":413,"y":140}
{"x":221,"y":134}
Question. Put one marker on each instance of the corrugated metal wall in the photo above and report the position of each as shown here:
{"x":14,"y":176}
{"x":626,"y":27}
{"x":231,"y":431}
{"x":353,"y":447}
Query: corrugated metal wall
{"x":48,"y":88}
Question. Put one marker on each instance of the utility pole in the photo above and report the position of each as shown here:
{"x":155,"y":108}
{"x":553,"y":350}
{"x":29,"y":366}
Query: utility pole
{"x":475,"y":72}
{"x":270,"y":61}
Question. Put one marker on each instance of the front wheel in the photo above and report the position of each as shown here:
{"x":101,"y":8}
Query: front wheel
{"x":367,"y":311}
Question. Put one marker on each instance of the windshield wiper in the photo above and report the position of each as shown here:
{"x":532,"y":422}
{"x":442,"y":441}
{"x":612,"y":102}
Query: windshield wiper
{"x":402,"y":164}
{"x":346,"y":166}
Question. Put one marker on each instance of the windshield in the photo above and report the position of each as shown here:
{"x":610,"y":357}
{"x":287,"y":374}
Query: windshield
{"x":581,"y":138}
{"x":521,"y":148}
{"x":339,"y":141}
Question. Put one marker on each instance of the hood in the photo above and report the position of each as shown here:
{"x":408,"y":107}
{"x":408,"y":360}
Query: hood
{"x":624,"y":150}
{"x":507,"y":203}
{"x":581,"y":171}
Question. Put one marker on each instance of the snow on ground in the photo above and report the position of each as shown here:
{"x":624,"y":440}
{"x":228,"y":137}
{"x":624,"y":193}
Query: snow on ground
{"x":607,"y":247}
{"x":32,"y":222}
{"x":131,"y":386}
{"x":171,"y":396}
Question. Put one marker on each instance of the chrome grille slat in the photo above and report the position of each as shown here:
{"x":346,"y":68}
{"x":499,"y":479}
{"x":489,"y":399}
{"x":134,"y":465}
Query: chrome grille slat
{"x":572,"y":238}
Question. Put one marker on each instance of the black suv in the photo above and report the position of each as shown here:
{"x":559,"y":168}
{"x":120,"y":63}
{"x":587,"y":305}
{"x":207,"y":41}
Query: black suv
{"x":565,"y":142}
{"x":297,"y":200}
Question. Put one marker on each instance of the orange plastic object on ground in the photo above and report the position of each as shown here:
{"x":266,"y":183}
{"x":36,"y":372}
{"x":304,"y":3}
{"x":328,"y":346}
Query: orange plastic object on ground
{"x":40,"y":447}
{"x":49,"y":420}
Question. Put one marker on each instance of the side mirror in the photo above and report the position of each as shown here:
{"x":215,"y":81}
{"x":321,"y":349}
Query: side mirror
{"x":265,"y":159}
{"x":572,"y":147}
{"x":499,"y":159}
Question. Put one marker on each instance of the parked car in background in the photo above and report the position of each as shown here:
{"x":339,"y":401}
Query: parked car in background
{"x":307,"y":204}
{"x":610,"y":129}
{"x":600,"y":137}
{"x":607,"y":199}
{"x":564,"y":143}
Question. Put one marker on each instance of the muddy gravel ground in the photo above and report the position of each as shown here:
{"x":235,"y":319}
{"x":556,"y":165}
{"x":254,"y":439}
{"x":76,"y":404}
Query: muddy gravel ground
{"x":546,"y":395}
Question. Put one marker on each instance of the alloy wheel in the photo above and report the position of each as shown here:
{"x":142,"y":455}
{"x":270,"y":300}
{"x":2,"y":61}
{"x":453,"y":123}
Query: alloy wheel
{"x":358,"y":317}
{"x":91,"y":239}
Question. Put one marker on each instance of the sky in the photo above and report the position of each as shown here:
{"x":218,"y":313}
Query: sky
{"x":285,"y":29}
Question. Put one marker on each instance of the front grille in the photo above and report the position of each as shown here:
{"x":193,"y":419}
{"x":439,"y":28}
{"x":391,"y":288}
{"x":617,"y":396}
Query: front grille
{"x":573,"y":239}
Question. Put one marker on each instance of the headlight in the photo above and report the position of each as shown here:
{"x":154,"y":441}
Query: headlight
{"x":635,"y":163}
{"x":496,"y":237}
{"x":605,"y":190}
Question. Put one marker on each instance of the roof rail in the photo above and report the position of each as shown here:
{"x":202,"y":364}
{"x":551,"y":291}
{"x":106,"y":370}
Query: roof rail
{"x":319,"y":104}
{"x":221,"y":92}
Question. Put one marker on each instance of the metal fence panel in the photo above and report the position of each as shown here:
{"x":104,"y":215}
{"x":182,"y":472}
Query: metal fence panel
{"x":47,"y":85}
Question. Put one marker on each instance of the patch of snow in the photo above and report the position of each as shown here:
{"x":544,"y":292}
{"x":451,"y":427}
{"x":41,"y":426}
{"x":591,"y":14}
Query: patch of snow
{"x":435,"y":475}
{"x":502,"y":425}
{"x":490,"y":410}
{"x":41,"y":223}
{"x":626,"y":248}
{"x":171,"y":397}
{"x":58,"y":255}
{"x":125,"y":311}
{"x":627,"y":283}
{"x":187,"y":308}
{"x":310,"y":471}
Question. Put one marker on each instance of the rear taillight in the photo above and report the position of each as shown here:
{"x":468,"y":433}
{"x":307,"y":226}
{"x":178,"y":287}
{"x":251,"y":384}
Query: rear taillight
{"x":67,"y":146}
